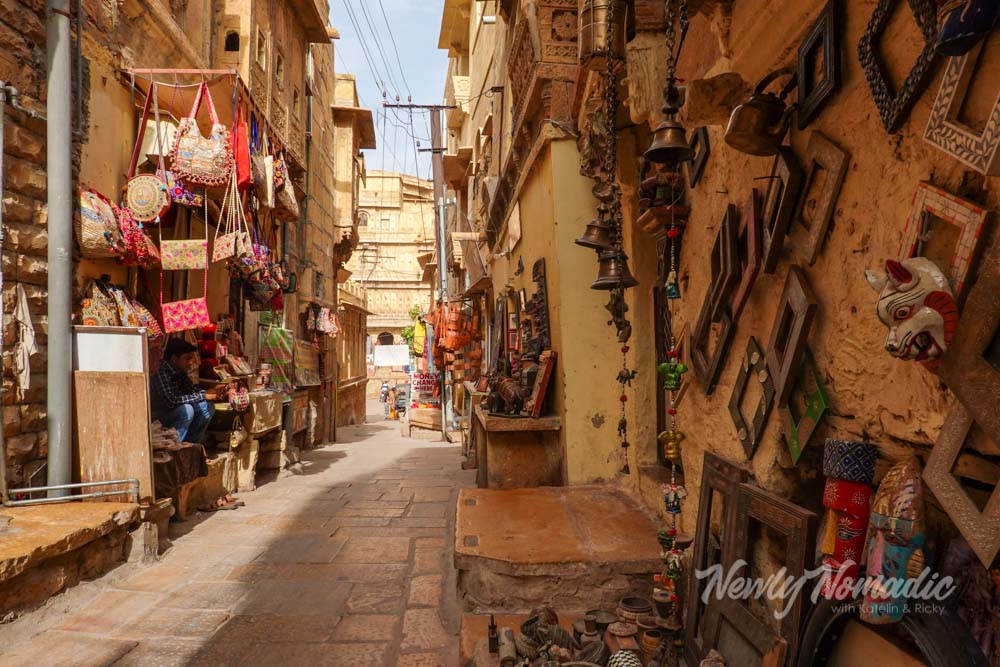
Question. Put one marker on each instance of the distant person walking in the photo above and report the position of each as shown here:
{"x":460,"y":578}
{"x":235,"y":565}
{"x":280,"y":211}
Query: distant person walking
{"x":384,"y":397}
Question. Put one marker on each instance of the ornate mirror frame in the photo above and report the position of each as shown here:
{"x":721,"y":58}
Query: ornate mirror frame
{"x":779,"y":204}
{"x":750,"y":247}
{"x":790,"y":332}
{"x":753,"y":368}
{"x":825,"y":35}
{"x":821,"y":155}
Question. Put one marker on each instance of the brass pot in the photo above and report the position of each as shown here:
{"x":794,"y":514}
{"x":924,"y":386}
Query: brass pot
{"x":758,"y":126}
{"x":597,"y":39}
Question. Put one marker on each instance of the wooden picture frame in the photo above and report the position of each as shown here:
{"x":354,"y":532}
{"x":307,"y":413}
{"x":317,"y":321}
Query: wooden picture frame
{"x":978,"y":150}
{"x":750,"y":252}
{"x":793,"y":523}
{"x":932,"y":203}
{"x":964,"y":367}
{"x":894,"y":105}
{"x":981,"y":529}
{"x":708,"y":365}
{"x":700,"y":151}
{"x":753,"y":368}
{"x":724,"y":477}
{"x":799,"y":428}
{"x":741,"y":637}
{"x":822,"y":155}
{"x":779,"y":204}
{"x":725,"y":263}
{"x":546,"y":361}
{"x":790,"y":332}
{"x":823,"y":38}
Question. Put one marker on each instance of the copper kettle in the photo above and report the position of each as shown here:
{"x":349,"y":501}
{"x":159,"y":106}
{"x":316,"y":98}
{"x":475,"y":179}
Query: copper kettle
{"x":758,"y":126}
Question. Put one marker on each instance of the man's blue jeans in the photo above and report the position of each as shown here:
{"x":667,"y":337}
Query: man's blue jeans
{"x":190,"y":419}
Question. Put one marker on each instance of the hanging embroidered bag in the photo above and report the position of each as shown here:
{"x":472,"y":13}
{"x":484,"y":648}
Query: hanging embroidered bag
{"x":261,"y":165}
{"x":241,"y":150}
{"x":190,"y":313}
{"x":99,"y":309}
{"x":239,"y":397}
{"x":234,"y":240}
{"x":286,"y":205}
{"x":198,"y":160}
{"x":280,"y":172}
{"x":139,"y":249}
{"x":181,"y":193}
{"x":184,"y":255}
{"x":97,"y":230}
{"x":146,"y":195}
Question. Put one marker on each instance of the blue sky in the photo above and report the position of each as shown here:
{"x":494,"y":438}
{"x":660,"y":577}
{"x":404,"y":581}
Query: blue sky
{"x":420,"y":70}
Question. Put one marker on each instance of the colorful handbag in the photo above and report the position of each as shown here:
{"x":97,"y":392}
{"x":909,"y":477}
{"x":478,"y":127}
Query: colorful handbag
{"x":280,"y":172}
{"x":139,"y":249}
{"x":286,"y":205}
{"x":197,"y":160}
{"x":184,"y":255}
{"x":185,"y":315}
{"x":179,"y":192}
{"x":241,"y":151}
{"x":145,"y":195}
{"x":239,"y":397}
{"x":146,"y":319}
{"x":261,"y":165}
{"x":97,"y":230}
{"x":234,"y":240}
{"x":98,"y":309}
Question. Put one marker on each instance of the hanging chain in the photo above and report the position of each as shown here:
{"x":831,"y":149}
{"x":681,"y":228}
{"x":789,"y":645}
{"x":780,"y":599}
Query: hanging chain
{"x":677,"y":22}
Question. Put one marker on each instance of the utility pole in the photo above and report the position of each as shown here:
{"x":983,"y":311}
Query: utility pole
{"x":440,"y":207}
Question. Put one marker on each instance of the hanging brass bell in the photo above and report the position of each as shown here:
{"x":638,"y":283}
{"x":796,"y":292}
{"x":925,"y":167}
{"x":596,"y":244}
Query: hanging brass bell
{"x":671,"y":443}
{"x":597,"y":236}
{"x":613,"y":271}
{"x":670,"y":144}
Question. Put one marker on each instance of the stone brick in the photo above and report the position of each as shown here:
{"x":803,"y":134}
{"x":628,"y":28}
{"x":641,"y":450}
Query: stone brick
{"x":26,"y":238}
{"x":22,"y":143}
{"x":110,"y":610}
{"x":17,"y":208}
{"x":64,"y":648}
{"x":376,"y":599}
{"x":352,"y":655}
{"x":421,"y":660}
{"x":425,"y":591}
{"x":22,"y":447}
{"x":378,"y":513}
{"x":32,"y":417}
{"x":289,"y":598}
{"x":418,"y":522}
{"x":32,"y":270}
{"x":26,"y":177}
{"x":160,"y":578}
{"x":360,"y":628}
{"x":162,"y":652}
{"x":431,"y":494}
{"x":375,"y":550}
{"x":11,"y":420}
{"x":428,"y":561}
{"x":219,"y":595}
{"x":430,"y":510}
{"x":422,"y":631}
{"x":174,"y":623}
{"x":270,"y":628}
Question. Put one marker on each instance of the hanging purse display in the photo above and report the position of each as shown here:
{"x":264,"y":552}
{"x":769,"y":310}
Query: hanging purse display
{"x":286,"y":205}
{"x":99,"y":308}
{"x":239,"y":397}
{"x":261,"y":165}
{"x":145,"y":195}
{"x":280,"y":172}
{"x":241,"y":150}
{"x":179,"y":192}
{"x":139,"y":249}
{"x":190,"y":313}
{"x":198,"y":160}
{"x":97,"y":230}
{"x":234,"y":240}
{"x":184,"y":255}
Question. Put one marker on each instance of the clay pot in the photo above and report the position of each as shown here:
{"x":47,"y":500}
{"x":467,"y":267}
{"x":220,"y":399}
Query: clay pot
{"x":632,"y":607}
{"x":651,"y":640}
{"x":622,"y":629}
{"x":603,"y":618}
{"x":664,"y":605}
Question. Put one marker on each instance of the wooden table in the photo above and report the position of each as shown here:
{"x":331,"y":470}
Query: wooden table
{"x":515,"y":452}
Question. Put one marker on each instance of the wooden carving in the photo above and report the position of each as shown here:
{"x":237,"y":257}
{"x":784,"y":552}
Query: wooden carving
{"x":750,"y":251}
{"x":795,"y":526}
{"x":720,"y":482}
{"x":725,"y":263}
{"x":815,"y":212}
{"x":752,"y":369}
{"x":822,"y":44}
{"x":790,"y":333}
{"x":947,"y":230}
{"x":894,"y":106}
{"x":979,"y":150}
{"x":965,"y":368}
{"x":779,"y":204}
{"x":981,"y":529}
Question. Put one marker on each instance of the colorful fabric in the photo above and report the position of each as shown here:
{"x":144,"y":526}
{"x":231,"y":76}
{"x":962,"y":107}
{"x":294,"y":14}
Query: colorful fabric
{"x":179,"y":192}
{"x":97,"y":232}
{"x":147,"y":197}
{"x":849,"y":460}
{"x":185,"y":315}
{"x":198,"y":160}
{"x":184,"y":255}
{"x":99,"y":309}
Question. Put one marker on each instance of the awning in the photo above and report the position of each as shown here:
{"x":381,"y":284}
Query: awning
{"x":366,"y":123}
{"x":312,"y":20}
{"x":456,"y":166}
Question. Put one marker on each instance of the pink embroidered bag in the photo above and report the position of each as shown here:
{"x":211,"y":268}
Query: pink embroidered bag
{"x":197,"y":160}
{"x":190,"y":313}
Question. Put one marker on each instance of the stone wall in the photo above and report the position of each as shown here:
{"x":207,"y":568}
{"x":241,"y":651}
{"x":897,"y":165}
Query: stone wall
{"x":25,"y":216}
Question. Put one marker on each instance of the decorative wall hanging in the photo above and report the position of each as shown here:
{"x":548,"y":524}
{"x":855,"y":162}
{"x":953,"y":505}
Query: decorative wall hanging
{"x":980,"y":150}
{"x":973,"y":378}
{"x":922,"y":322}
{"x":799,"y":428}
{"x":795,"y":526}
{"x":779,"y":204}
{"x":981,"y":528}
{"x":670,"y":146}
{"x":750,"y":246}
{"x":821,"y":46}
{"x":752,"y":369}
{"x":536,"y":401}
{"x":894,"y":106}
{"x":947,"y":230}
{"x":895,"y":540}
{"x":825,"y":163}
{"x":700,"y":150}
{"x":758,"y":126}
{"x":725,"y":263}
{"x":790,"y":332}
{"x":741,"y":637}
{"x":964,"y":24}
{"x":849,"y":468}
{"x":708,"y":364}
{"x":720,"y":482}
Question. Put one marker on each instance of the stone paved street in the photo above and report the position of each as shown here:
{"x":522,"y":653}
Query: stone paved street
{"x":349,"y":563}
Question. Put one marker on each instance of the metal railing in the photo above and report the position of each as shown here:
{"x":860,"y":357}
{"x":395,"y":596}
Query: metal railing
{"x":133,"y":491}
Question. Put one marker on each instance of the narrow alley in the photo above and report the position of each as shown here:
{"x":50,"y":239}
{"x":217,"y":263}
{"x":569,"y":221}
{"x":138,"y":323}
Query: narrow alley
{"x":348,"y":563}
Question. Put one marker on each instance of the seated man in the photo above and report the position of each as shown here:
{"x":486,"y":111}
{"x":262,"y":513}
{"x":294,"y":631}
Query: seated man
{"x":177,"y":402}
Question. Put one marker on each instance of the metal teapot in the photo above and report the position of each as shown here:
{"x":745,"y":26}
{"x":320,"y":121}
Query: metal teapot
{"x":758,"y":126}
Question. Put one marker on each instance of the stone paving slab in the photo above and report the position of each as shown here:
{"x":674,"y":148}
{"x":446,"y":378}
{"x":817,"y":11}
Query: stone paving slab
{"x":347,"y":564}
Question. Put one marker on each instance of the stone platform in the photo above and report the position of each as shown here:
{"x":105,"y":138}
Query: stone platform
{"x":572,"y":548}
{"x":46,"y":548}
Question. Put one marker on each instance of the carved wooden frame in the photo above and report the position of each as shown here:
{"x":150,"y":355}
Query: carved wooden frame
{"x":895,"y":107}
{"x":725,"y":262}
{"x":797,"y":525}
{"x":750,"y":249}
{"x":799,"y":432}
{"x":980,"y":529}
{"x":973,"y":379}
{"x":725,"y":477}
{"x":707,"y":368}
{"x":779,"y":204}
{"x":978,"y":150}
{"x":790,"y":333}
{"x":826,"y":155}
{"x":754,"y":365}
{"x":970,"y":218}
{"x":700,"y":149}
{"x":824,"y":32}
{"x":770,"y":648}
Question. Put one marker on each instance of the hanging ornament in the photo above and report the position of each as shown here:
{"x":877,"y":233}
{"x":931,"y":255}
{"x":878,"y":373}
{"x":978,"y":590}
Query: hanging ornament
{"x":670,"y":144}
